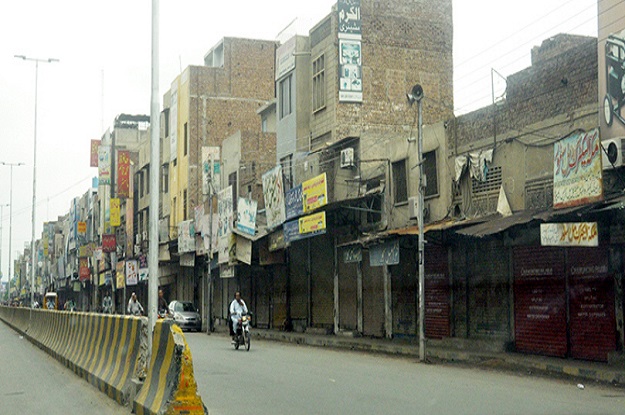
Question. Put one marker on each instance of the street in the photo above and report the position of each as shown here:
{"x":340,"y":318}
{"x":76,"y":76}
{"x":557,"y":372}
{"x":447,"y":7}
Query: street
{"x":276,"y":378}
{"x":32,"y":382}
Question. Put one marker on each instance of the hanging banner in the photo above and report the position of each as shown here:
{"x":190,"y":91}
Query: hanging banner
{"x":121,"y":278}
{"x":227,"y":248}
{"x":244,"y":250}
{"x":273,"y":192}
{"x":384,"y":254}
{"x":352,"y":254}
{"x":294,"y":202}
{"x":186,"y":236}
{"x":577,"y":174}
{"x":84,"y":274}
{"x":246,"y":215}
{"x":116,"y":219}
{"x":315,"y":193}
{"x":123,"y":174}
{"x":210,"y":155}
{"x":109,"y":243}
{"x":312,"y":223}
{"x":95,"y":145}
{"x":104,"y":165}
{"x":82,"y":228}
{"x":143,"y":274}
{"x":132,"y":275}
{"x":569,"y":234}
{"x":350,"y":70}
{"x":198,"y":214}
{"x":225,"y":211}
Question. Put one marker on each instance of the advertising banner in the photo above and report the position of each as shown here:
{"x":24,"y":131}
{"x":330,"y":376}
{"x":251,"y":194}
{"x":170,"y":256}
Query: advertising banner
{"x":119,"y":272}
{"x":294,"y":202}
{"x":577,"y":174}
{"x":569,"y":234}
{"x":244,"y":250}
{"x":384,"y":254}
{"x":104,"y":165}
{"x":123,"y":174}
{"x":227,"y":248}
{"x":83,"y":271}
{"x":132,"y":273}
{"x":315,"y":193}
{"x":82,"y":228}
{"x":210,"y":155}
{"x":143,"y":274}
{"x":246,"y":215}
{"x":312,"y":223}
{"x":225,"y":211}
{"x":95,"y":145}
{"x":116,"y":219}
{"x":352,"y":254}
{"x":273,"y":192}
{"x":109,"y":243}
{"x":350,"y":22}
{"x":285,"y":58}
{"x":350,"y":70}
{"x":186,"y":236}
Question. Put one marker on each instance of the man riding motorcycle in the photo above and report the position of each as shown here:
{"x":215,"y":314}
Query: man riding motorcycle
{"x":237,"y":309}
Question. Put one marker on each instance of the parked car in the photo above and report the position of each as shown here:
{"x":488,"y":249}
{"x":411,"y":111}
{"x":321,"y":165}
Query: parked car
{"x":185,"y":315}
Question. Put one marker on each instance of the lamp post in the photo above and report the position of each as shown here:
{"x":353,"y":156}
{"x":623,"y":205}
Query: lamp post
{"x":416,"y":95}
{"x":11,"y":165}
{"x":1,"y":215}
{"x":34,"y":209}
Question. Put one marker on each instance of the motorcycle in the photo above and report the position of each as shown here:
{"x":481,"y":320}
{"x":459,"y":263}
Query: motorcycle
{"x":242,"y":334}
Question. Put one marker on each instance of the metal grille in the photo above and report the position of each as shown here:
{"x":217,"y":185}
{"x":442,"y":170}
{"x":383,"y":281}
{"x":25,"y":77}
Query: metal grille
{"x":492,"y":183}
{"x":539,"y":193}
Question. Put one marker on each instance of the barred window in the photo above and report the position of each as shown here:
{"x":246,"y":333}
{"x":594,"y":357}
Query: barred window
{"x":286,"y":97}
{"x":400,"y":183}
{"x":429,"y":168}
{"x":319,"y":84}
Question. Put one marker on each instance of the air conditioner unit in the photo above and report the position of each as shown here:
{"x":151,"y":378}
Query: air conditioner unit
{"x":347,"y":158}
{"x":413,"y":207}
{"x":612,"y":153}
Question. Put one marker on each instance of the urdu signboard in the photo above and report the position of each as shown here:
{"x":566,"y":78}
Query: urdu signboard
{"x":569,"y":234}
{"x":577,"y":175}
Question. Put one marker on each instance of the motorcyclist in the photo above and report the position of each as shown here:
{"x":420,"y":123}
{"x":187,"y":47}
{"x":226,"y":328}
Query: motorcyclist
{"x":237,"y":309}
{"x":134,"y":306}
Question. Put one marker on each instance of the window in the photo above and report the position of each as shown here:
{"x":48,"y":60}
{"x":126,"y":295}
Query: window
{"x":184,"y":204}
{"x":165,"y":178}
{"x":147,"y":179}
{"x":429,"y":168}
{"x":186,"y":140}
{"x":286,"y":96}
{"x":400,"y":184}
{"x":319,"y":84}
{"x":141,"y":184}
{"x":287,"y":171}
{"x":232,"y":181}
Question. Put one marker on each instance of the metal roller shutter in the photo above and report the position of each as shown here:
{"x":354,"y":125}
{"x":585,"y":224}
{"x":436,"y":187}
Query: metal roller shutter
{"x":437,"y":294}
{"x":540,"y":300}
{"x":322,"y":250}
{"x":372,"y":298}
{"x":348,"y":296}
{"x":591,"y":306}
{"x":404,"y":284}
{"x":298,"y":268}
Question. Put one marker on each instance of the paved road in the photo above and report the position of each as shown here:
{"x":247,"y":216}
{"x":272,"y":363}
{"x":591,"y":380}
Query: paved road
{"x":277,"y":378}
{"x":32,"y":382}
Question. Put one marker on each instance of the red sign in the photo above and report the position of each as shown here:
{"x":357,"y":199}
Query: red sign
{"x":109,"y":243}
{"x":95,"y":145}
{"x":84,"y":274}
{"x":123,"y":174}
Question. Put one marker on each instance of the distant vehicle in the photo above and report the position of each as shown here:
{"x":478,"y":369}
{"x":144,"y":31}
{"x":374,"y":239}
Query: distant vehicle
{"x":51,"y":301}
{"x":185,"y":315}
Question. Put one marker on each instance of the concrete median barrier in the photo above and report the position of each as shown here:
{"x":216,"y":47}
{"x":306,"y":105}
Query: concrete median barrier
{"x":170,"y":386}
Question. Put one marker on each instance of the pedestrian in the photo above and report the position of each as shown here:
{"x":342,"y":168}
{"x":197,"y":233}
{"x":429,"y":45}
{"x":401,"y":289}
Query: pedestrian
{"x":107,"y":304}
{"x":162,"y":303}
{"x":134,"y":306}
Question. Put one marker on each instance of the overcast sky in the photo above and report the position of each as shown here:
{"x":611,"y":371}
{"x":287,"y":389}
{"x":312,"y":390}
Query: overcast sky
{"x":104,"y":70}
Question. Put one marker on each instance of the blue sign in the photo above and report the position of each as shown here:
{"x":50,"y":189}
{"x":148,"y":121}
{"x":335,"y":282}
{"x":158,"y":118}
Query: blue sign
{"x":384,"y":254}
{"x":294,"y":203}
{"x":291,"y":232}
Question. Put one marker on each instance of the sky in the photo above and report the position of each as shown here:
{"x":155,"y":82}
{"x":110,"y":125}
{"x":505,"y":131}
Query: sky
{"x":103,"y":50}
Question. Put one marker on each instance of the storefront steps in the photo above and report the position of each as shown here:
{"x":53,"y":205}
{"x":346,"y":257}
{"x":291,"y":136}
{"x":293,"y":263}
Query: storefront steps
{"x":473,"y":352}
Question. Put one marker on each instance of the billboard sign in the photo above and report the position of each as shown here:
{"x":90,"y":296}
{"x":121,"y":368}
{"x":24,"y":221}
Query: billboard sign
{"x":123,"y":174}
{"x":384,"y":254}
{"x":273,"y":191}
{"x":246,"y":215}
{"x":104,"y":165}
{"x":95,"y":145}
{"x":569,"y":234}
{"x":315,"y":193}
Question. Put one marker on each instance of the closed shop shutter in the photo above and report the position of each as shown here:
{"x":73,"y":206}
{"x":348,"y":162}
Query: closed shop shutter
{"x":404,"y":285}
{"x":372,"y":298}
{"x":262,"y":288}
{"x":298,"y":267}
{"x":437,"y":295}
{"x":348,"y":296}
{"x":539,"y":300}
{"x":591,"y":304}
{"x":279,"y":296}
{"x":322,"y":264}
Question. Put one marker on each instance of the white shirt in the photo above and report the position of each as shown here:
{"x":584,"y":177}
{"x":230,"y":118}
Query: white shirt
{"x":236,"y":308}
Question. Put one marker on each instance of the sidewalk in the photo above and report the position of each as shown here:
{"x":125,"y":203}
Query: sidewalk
{"x":552,"y":366}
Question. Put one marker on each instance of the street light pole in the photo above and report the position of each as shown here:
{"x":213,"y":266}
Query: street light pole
{"x":11,"y":165}
{"x":34,"y":209}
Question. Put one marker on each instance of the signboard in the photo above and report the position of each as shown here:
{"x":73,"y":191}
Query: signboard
{"x":384,"y":254}
{"x":83,"y":271}
{"x":225,"y":211}
{"x":246,"y":215}
{"x":116,"y":218}
{"x":350,"y":50}
{"x":123,"y":174}
{"x":569,"y":234}
{"x":109,"y":243}
{"x":294,"y":202}
{"x":95,"y":145}
{"x":82,"y":228}
{"x":132,"y":274}
{"x":312,"y":223}
{"x":273,"y":191}
{"x":244,"y":250}
{"x":577,"y":178}
{"x":227,"y":247}
{"x":226,"y":272}
{"x":292,"y":229}
{"x":104,"y":165}
{"x":210,"y":155}
{"x":186,"y":236}
{"x":187,"y":260}
{"x":285,"y":58}
{"x":610,"y":44}
{"x":350,"y":22}
{"x":119,"y":271}
{"x":276,"y":241}
{"x":315,"y":193}
{"x":143,"y":274}
{"x":352,"y":254}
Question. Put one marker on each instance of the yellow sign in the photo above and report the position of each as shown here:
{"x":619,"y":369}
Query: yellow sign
{"x":121,"y":276}
{"x":312,"y":223}
{"x":82,"y":228}
{"x":315,"y":193}
{"x":115,"y":212}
